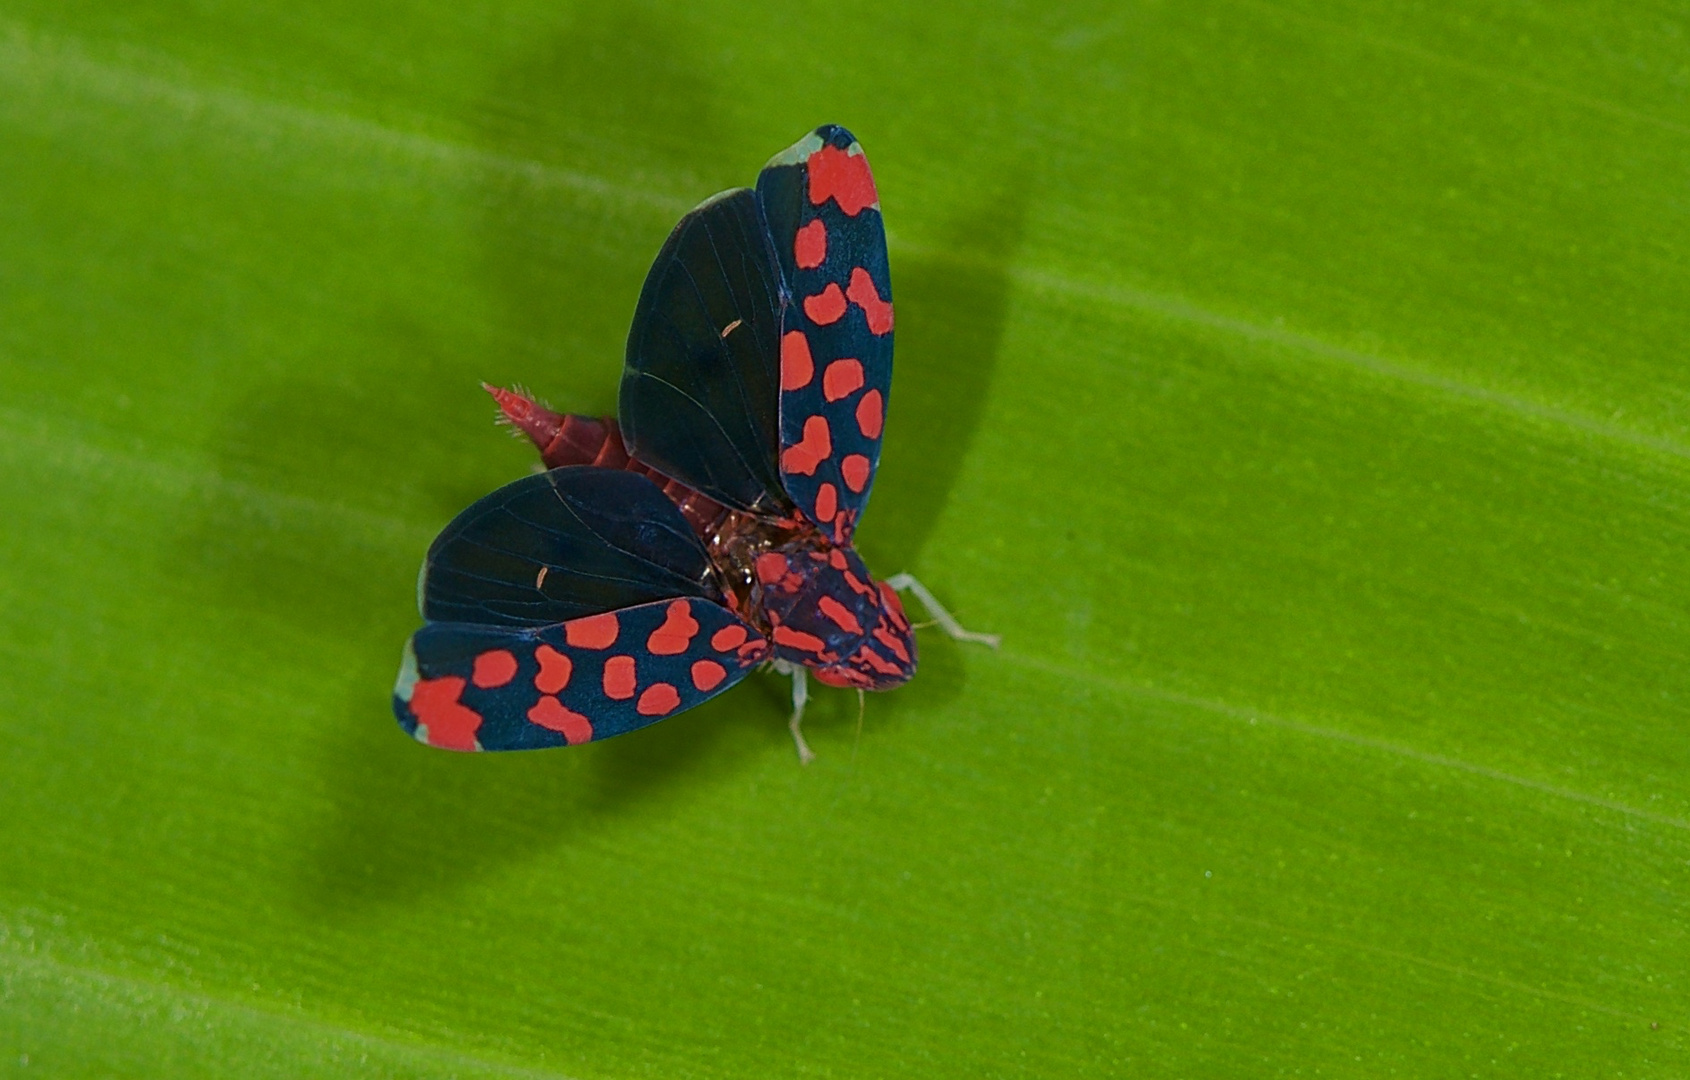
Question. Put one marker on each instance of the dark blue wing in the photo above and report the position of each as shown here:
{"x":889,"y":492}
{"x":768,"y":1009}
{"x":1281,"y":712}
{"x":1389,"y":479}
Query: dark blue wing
{"x":469,"y":687}
{"x":699,"y":398}
{"x":560,"y":545}
{"x":567,"y":606}
{"x":823,"y":213}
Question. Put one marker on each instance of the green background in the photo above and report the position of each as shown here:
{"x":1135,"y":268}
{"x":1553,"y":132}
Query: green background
{"x":1299,"y":388}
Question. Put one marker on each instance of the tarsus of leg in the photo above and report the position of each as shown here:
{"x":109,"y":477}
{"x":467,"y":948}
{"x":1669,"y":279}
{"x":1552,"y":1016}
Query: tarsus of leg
{"x":945,"y":619}
{"x":800,"y":694}
{"x":859,"y":737}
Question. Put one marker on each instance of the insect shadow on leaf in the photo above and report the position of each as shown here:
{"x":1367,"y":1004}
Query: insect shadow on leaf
{"x":604,"y":130}
{"x":953,"y":295}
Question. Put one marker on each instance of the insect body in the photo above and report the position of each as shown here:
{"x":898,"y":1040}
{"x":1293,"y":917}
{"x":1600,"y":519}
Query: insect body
{"x":708,"y":528}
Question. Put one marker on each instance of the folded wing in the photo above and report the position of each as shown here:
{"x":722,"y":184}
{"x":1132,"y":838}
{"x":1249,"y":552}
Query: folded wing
{"x":823,"y":213}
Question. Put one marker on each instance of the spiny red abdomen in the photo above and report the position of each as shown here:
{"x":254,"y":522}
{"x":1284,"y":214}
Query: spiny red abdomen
{"x":568,"y":439}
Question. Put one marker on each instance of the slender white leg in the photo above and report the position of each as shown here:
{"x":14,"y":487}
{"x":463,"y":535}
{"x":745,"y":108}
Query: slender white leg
{"x":946,"y":621}
{"x":800,"y":694}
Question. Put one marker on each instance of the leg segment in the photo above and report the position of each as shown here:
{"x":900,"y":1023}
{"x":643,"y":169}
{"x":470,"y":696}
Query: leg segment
{"x":945,"y":619}
{"x":800,"y":694}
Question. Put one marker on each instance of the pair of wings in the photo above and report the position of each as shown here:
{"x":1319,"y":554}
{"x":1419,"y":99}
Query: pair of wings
{"x":579,"y":604}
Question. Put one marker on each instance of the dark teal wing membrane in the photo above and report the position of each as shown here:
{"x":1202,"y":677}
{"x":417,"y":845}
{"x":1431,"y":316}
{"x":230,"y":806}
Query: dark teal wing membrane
{"x":823,"y":213}
{"x":470,"y":687}
{"x":560,"y":545}
{"x":699,"y":396}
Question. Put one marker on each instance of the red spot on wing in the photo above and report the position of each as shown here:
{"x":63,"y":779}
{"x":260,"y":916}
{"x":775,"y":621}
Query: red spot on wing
{"x":751,"y":651}
{"x":796,"y":366}
{"x":676,"y":633}
{"x":809,"y":247}
{"x":855,"y":470}
{"x":797,"y":639}
{"x":451,"y":724}
{"x":495,"y":667}
{"x":862,"y":293}
{"x":707,"y":674}
{"x":619,"y":678}
{"x":659,"y":699}
{"x":891,"y":642}
{"x":843,"y":177}
{"x":728,"y":637}
{"x":827,"y":502}
{"x":555,"y":669}
{"x":553,"y":715}
{"x":826,"y":306}
{"x":842,"y":379}
{"x":839,"y":614}
{"x":592,"y":632}
{"x":803,"y":457}
{"x":771,"y":567}
{"x":836,"y":559}
{"x":871,"y":414}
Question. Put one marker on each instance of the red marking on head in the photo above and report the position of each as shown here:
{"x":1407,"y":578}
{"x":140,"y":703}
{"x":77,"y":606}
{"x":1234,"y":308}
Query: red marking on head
{"x":555,"y":669}
{"x":676,"y":633}
{"x":659,"y":699}
{"x":891,"y":642}
{"x":862,"y":293}
{"x":451,"y":724}
{"x":728,"y":637}
{"x":855,"y":470}
{"x":857,"y":585}
{"x":839,"y":614}
{"x":871,"y":414}
{"x":843,"y":177}
{"x":894,"y":606}
{"x":826,"y":306}
{"x":771,"y":567}
{"x":592,"y":632}
{"x":836,"y":559}
{"x":619,"y":677}
{"x":495,"y":667}
{"x":840,"y":676}
{"x":809,"y":247}
{"x":877,"y":662}
{"x":796,"y":366}
{"x":842,"y":379}
{"x":530,"y":417}
{"x":707,"y":674}
{"x":803,"y":457}
{"x":827,"y":502}
{"x":797,"y":639}
{"x":551,"y":714}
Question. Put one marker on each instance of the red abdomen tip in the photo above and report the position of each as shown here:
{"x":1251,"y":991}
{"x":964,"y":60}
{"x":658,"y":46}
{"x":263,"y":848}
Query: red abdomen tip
{"x":533,"y":419}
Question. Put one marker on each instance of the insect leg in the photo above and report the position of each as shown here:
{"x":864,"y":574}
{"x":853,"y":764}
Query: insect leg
{"x":800,"y":694}
{"x":945,"y":619}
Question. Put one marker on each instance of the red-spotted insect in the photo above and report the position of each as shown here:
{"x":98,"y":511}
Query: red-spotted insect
{"x":661,"y":558}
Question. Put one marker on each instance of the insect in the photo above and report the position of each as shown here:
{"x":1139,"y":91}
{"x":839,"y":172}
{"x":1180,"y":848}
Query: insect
{"x":707,"y":529}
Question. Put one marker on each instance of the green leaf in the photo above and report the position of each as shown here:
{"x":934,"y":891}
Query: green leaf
{"x":1298,"y":388}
